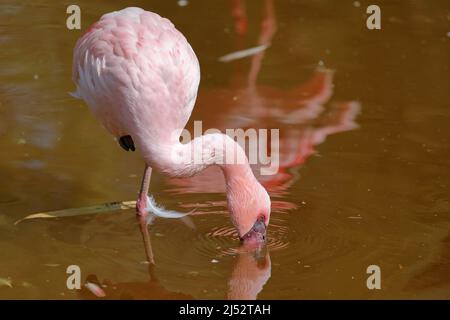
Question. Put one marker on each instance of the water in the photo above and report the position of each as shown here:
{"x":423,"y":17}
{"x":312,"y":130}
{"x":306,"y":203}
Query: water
{"x":364,"y":142}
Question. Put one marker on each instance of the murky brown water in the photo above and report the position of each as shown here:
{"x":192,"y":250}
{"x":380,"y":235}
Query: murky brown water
{"x":364,"y":176}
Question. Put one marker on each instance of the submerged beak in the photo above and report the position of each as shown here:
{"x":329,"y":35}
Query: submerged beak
{"x":256,"y":235}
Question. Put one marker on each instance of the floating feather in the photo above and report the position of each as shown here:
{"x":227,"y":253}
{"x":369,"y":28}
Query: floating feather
{"x":243,"y":53}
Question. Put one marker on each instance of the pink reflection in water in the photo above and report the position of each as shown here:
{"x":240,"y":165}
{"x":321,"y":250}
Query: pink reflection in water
{"x":303,"y":114}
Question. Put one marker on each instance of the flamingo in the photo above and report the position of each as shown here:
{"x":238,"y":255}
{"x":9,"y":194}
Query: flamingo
{"x":140,"y":77}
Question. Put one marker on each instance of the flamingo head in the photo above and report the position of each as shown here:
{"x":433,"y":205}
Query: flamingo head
{"x":249,"y":205}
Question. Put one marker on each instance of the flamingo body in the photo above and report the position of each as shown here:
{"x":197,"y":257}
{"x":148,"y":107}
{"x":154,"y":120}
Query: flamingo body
{"x":134,"y":69}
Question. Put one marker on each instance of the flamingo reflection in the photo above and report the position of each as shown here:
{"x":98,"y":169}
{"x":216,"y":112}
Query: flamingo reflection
{"x":249,"y":274}
{"x":303,"y":114}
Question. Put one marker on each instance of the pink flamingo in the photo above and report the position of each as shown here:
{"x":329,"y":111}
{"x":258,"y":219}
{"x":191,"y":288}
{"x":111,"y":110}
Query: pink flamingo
{"x":140,"y":77}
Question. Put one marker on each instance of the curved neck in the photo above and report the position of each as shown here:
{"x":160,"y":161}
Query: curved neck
{"x":183,"y":160}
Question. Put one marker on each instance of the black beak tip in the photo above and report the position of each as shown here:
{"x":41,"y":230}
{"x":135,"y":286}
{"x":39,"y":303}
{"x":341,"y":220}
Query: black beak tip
{"x":257,"y":233}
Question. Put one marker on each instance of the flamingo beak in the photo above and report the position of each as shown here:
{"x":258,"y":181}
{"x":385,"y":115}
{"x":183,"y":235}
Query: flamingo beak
{"x":257,"y":234}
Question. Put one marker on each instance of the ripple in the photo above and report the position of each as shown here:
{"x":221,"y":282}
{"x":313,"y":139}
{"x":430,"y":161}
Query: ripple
{"x":225,"y":239}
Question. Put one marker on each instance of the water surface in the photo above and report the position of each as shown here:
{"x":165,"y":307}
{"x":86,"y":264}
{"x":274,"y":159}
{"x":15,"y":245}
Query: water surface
{"x":364,"y":142}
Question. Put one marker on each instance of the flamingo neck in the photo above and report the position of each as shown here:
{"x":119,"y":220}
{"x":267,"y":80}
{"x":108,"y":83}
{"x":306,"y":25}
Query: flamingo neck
{"x":183,"y":160}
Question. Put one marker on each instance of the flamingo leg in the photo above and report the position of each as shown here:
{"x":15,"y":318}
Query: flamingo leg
{"x":268,"y":29}
{"x":141,"y":203}
{"x":146,"y":238}
{"x":240,"y":17}
{"x":141,"y":211}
